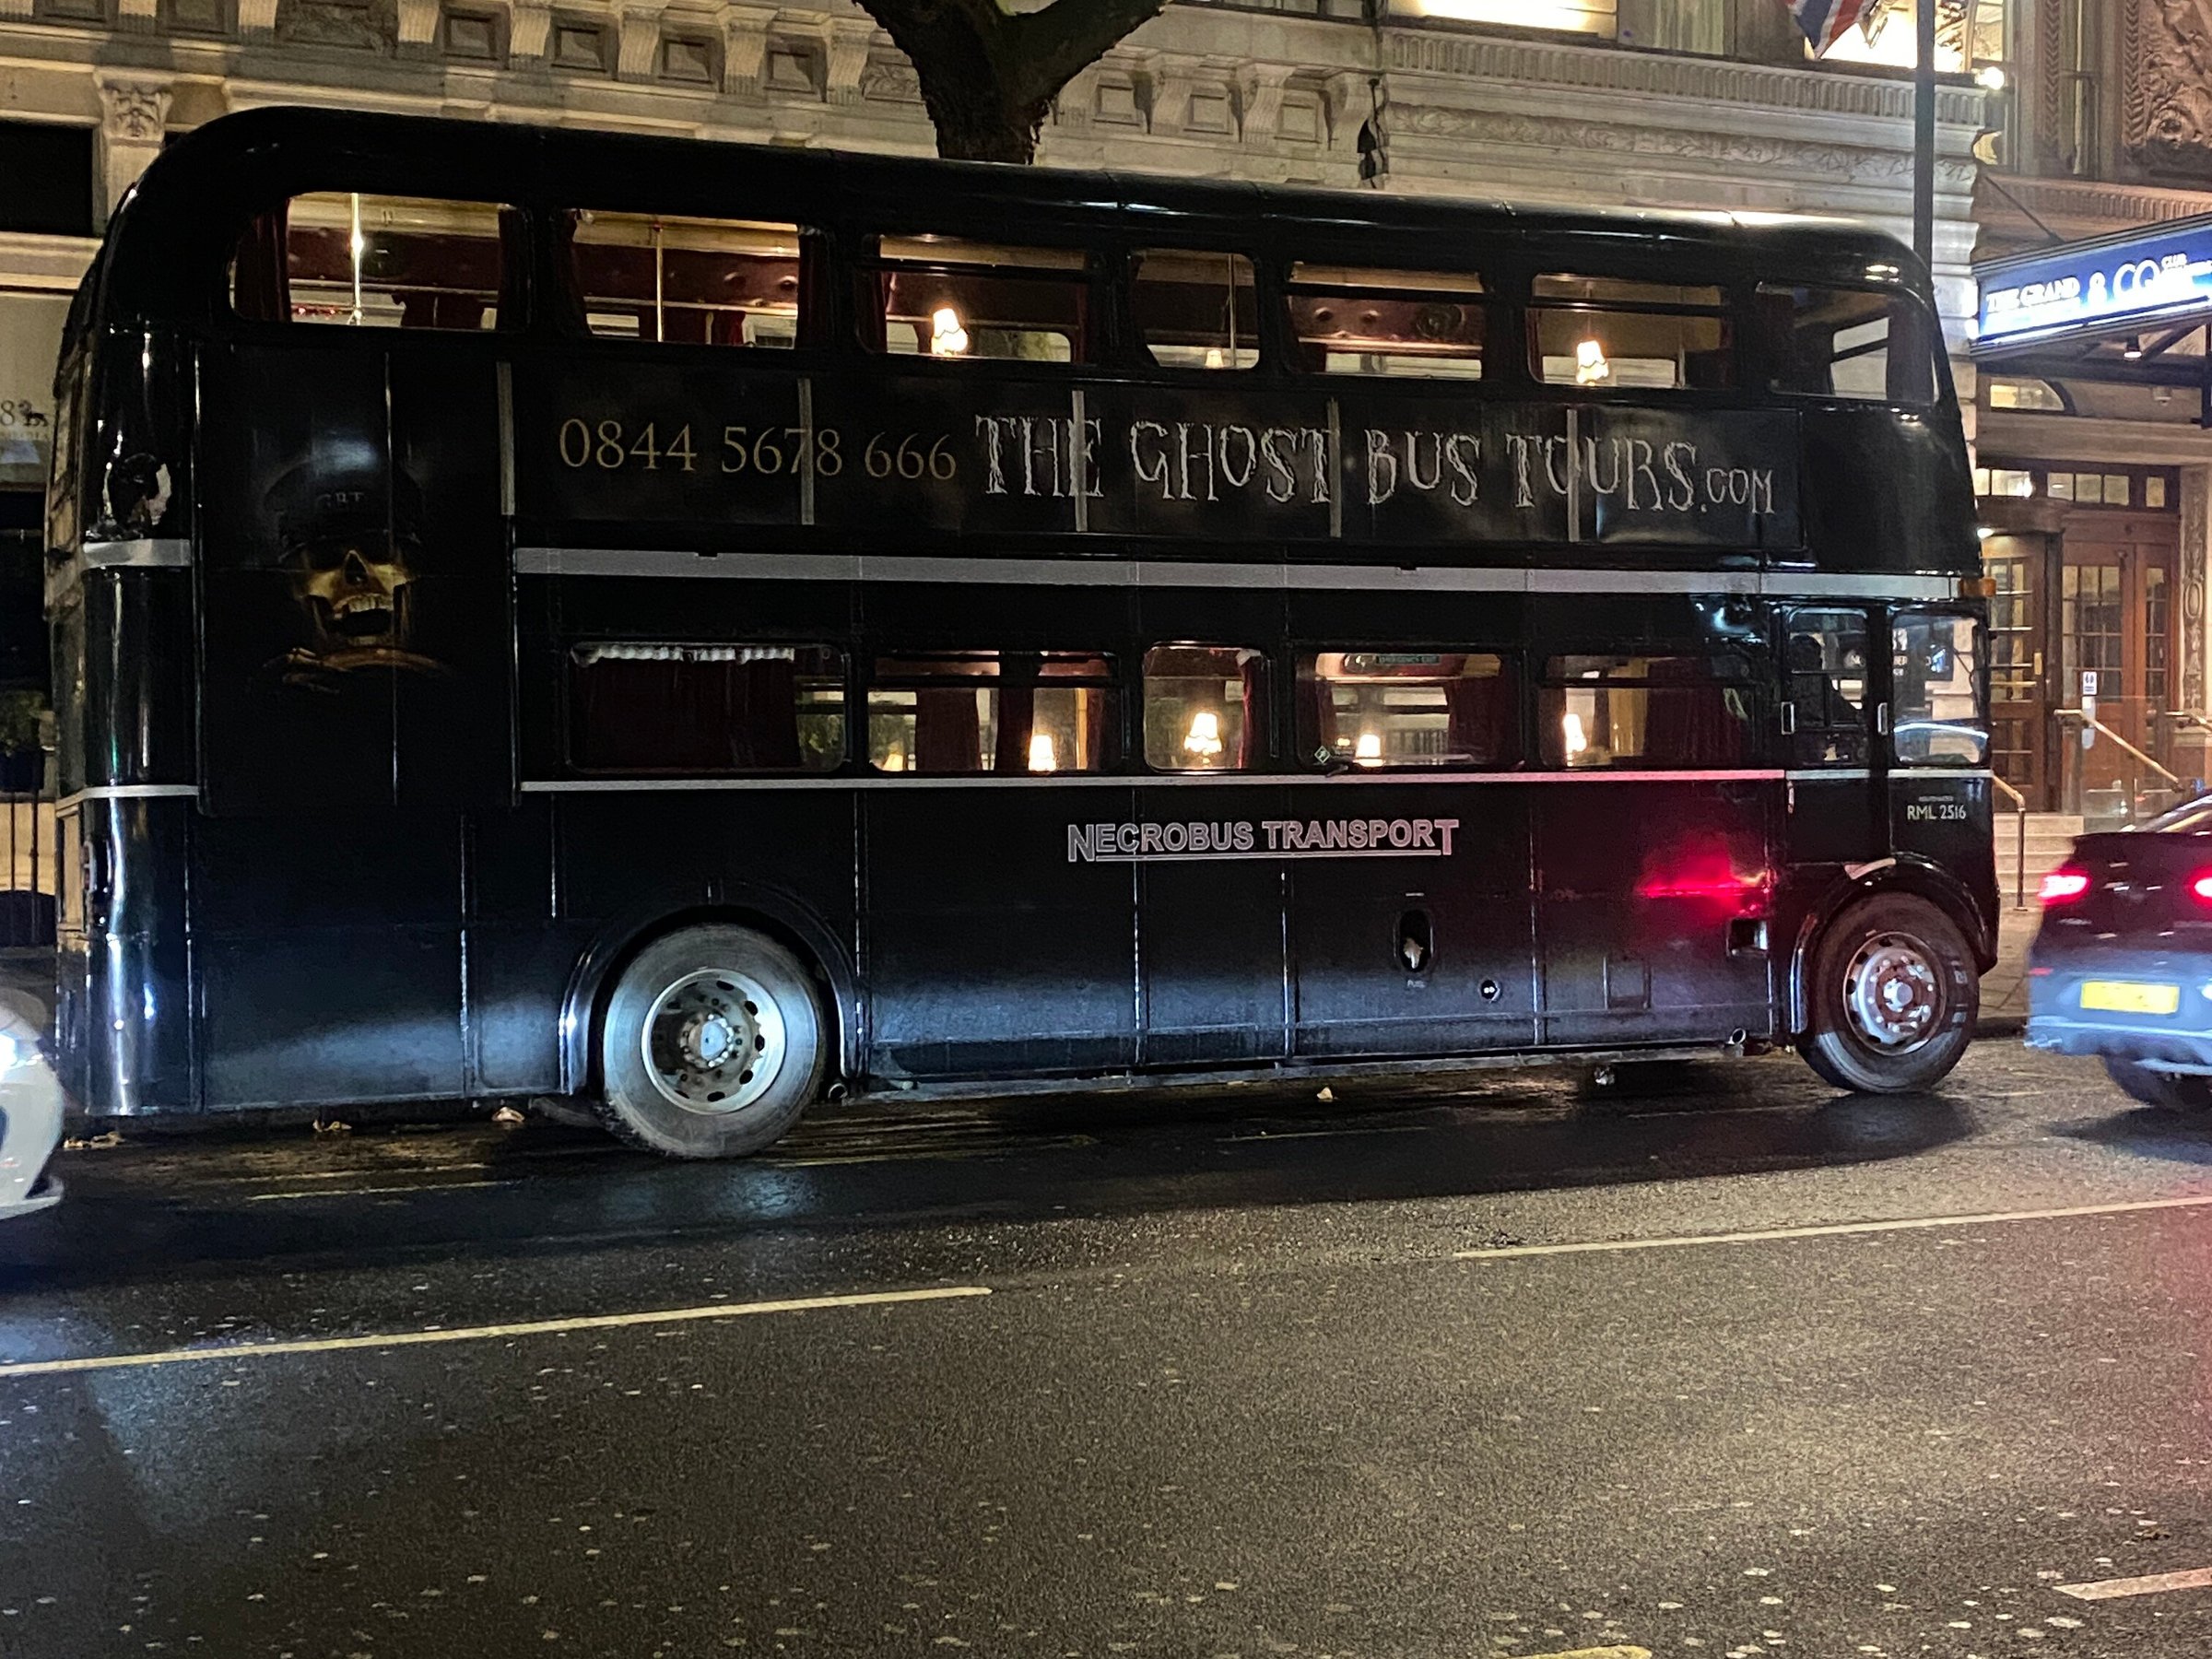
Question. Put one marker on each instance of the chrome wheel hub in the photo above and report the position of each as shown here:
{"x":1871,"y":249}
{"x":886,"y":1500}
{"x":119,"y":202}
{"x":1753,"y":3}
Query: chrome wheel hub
{"x":714,"y":1042}
{"x":1893,"y":993}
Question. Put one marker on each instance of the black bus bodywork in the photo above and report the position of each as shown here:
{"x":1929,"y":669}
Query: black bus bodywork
{"x":347,"y":816}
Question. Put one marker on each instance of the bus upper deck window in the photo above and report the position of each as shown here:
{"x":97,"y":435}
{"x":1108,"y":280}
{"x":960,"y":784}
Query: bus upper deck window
{"x":1205,"y":708}
{"x":1645,"y":711}
{"x":1388,"y":709}
{"x":373,"y":261}
{"x":1429,"y":325}
{"x":689,"y":281}
{"x":1604,"y":334}
{"x":950,"y":297}
{"x":1195,"y":310}
{"x":696,"y":708}
{"x":1859,"y":344}
{"x":1012,"y":714}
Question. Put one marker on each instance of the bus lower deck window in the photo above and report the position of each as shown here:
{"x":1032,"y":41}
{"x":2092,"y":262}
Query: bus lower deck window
{"x":1010,"y":714}
{"x":695,"y":709}
{"x":1645,"y":711}
{"x":946,"y":297}
{"x":1383,"y":709}
{"x":1205,"y":708}
{"x":373,"y":261}
{"x":1608,"y":333}
{"x":1940,"y":719}
{"x":1420,"y":325}
{"x":691,"y":281}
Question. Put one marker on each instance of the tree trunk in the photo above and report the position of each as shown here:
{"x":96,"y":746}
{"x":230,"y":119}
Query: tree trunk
{"x":987,"y":128}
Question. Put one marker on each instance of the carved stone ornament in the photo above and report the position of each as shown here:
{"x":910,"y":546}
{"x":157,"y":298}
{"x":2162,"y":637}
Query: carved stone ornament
{"x":2166,"y":95}
{"x":133,"y":112}
{"x":331,"y":23}
{"x":744,"y":48}
{"x":529,"y":27}
{"x":1847,"y":163}
{"x":890,"y":80}
{"x":256,"y":19}
{"x":2197,"y":539}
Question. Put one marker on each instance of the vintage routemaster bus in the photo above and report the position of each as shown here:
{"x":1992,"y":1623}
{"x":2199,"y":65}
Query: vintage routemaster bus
{"x":696,"y":627}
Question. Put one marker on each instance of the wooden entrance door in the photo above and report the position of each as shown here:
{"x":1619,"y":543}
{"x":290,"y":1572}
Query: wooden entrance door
{"x":2116,"y":620}
{"x":2020,"y":723}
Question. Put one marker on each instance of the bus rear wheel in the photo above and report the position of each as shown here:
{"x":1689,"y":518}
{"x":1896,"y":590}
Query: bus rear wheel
{"x":711,"y":1045}
{"x":1894,"y":994}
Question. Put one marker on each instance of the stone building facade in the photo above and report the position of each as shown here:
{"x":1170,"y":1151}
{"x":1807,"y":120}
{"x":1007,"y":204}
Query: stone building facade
{"x":2107,"y":130}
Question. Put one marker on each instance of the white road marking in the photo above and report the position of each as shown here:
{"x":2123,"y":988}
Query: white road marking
{"x":2197,"y":1578}
{"x":416,"y":1186}
{"x":534,"y":1327}
{"x":1832,"y":1231}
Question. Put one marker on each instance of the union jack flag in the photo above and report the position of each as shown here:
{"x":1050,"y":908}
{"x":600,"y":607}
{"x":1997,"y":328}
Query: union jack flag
{"x":1822,"y":22}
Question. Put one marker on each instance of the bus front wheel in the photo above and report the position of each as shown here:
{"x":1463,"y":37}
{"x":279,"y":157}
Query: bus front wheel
{"x":713,"y":1044}
{"x":1894,"y":994}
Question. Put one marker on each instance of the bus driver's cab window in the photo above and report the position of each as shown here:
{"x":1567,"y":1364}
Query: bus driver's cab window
{"x":1824,"y":662}
{"x":376,"y":262}
{"x":1205,"y":708}
{"x":951,"y":299}
{"x":691,"y":281}
{"x":1011,"y":714}
{"x":1938,"y":718}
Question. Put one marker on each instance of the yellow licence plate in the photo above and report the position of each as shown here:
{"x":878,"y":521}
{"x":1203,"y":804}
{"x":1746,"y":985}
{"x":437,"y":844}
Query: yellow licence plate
{"x":2124,"y":997}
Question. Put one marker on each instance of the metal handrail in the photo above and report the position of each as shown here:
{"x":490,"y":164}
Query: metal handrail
{"x":2099,"y":725}
{"x":2019,"y":824}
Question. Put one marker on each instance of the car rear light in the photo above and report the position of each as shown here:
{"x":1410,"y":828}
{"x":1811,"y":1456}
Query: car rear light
{"x":2201,"y":885}
{"x":2062,"y":885}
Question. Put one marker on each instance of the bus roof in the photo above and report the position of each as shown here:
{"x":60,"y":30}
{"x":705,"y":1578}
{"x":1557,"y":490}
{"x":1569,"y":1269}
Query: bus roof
{"x":178,"y":225}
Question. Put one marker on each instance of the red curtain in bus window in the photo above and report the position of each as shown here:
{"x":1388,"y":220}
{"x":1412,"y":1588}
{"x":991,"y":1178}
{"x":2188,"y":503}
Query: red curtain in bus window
{"x":948,"y":735}
{"x":767,"y":713}
{"x":1017,"y":717}
{"x":1692,"y":719}
{"x":1478,"y":717}
{"x":262,"y":289}
{"x":1251,"y":730}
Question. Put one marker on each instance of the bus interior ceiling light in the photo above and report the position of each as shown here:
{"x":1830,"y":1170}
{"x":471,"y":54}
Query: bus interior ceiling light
{"x":1590,"y":365}
{"x":1369,"y":747}
{"x":947,"y":338}
{"x":1042,"y":758}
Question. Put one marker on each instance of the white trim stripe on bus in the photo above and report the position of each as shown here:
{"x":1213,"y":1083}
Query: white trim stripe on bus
{"x":1403,"y":780}
{"x":129,"y":792}
{"x":1081,"y":572}
{"x":1900,"y":774}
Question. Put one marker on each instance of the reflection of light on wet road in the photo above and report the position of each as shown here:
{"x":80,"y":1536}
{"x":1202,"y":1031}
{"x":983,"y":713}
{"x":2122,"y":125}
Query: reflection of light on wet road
{"x":1838,"y":1229}
{"x":532,"y":1327}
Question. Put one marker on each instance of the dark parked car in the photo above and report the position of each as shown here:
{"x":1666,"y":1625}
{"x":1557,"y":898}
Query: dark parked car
{"x":2121,"y":966}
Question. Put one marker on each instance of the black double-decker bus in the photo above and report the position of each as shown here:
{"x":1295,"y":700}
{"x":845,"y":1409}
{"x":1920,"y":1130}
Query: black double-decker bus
{"x":700,"y":628}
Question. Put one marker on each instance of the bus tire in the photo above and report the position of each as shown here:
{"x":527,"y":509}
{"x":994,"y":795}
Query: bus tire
{"x":713,"y":1044}
{"x":1893,"y":998}
{"x":2176,"y":1091}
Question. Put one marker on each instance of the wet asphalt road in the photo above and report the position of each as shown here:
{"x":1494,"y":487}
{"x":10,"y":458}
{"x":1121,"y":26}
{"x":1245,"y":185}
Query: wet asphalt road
{"x":1250,"y":1376}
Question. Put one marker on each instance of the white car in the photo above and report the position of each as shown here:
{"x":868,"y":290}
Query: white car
{"x":31,"y":1114}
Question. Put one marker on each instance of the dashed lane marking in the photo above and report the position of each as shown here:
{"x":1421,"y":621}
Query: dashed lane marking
{"x":1604,"y":1653}
{"x":534,"y":1327}
{"x":1838,"y":1229}
{"x":2197,"y":1578}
